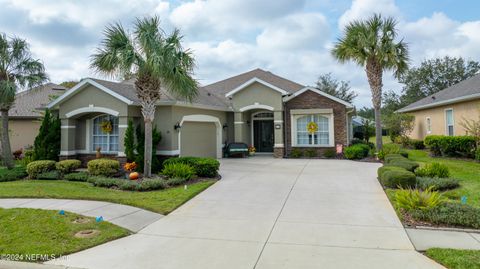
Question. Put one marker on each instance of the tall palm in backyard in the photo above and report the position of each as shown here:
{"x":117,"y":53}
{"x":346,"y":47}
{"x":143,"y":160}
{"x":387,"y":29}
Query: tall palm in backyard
{"x":17,"y":69}
{"x":155,"y":60}
{"x":371,"y":43}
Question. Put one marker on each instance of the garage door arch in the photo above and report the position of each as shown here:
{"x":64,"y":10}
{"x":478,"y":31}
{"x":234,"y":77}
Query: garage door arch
{"x":200,"y":118}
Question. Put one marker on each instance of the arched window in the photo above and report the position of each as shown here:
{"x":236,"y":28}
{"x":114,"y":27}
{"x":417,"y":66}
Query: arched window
{"x":106,"y":140}
{"x":320,"y":137}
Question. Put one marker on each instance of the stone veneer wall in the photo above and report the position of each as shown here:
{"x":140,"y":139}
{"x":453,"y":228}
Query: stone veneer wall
{"x":311,"y":100}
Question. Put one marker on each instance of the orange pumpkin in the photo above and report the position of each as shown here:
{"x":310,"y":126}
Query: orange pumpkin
{"x":133,"y":176}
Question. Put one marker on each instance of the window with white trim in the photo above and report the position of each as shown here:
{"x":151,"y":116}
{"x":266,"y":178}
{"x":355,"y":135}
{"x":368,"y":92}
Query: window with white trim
{"x":106,"y":141}
{"x":321,"y":137}
{"x":429,"y":125}
{"x":449,"y":122}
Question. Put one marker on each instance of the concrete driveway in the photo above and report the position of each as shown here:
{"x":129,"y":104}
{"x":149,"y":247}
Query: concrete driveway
{"x":269,"y":214}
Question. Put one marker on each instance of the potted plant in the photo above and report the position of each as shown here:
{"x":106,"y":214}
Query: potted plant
{"x":130,"y":167}
{"x":251,"y":150}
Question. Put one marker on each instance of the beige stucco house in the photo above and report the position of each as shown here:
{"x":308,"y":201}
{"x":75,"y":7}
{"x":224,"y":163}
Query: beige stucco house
{"x":25,"y":114}
{"x":443,"y":112}
{"x":257,"y":108}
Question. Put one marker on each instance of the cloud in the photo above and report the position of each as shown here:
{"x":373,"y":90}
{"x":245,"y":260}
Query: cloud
{"x":220,"y":18}
{"x":361,"y":9}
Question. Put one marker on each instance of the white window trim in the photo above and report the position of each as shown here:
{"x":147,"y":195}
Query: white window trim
{"x":428,"y":123}
{"x":453,"y":121}
{"x":331,"y":133}
{"x":92,"y":122}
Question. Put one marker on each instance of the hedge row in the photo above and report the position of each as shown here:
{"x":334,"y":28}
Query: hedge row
{"x":453,"y":146}
{"x":203,"y":167}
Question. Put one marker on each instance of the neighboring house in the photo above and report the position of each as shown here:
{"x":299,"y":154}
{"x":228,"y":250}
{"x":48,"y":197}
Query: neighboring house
{"x":443,"y":112}
{"x":257,"y":108}
{"x":24,"y":116}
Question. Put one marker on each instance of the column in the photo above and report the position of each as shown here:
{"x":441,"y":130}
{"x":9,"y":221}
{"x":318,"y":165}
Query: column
{"x":278,"y":147}
{"x":239,"y":125}
{"x":67,"y":145}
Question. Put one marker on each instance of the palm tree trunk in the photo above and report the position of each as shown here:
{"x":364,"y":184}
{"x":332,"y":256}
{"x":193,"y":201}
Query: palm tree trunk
{"x":6,"y":149}
{"x":148,"y":111}
{"x":374,"y":75}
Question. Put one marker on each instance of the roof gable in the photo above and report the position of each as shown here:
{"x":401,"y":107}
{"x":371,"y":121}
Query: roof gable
{"x":252,"y":81}
{"x":331,"y":97}
{"x":28,"y":103}
{"x":83,"y":84}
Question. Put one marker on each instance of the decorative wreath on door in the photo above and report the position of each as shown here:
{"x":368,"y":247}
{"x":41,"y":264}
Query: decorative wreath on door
{"x":312,"y":127}
{"x":106,"y":126}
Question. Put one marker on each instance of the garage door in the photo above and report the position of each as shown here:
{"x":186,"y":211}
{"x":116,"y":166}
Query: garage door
{"x":198,"y":139}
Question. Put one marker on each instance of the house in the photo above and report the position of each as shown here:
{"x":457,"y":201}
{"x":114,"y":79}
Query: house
{"x":443,"y":112}
{"x":25,"y":116}
{"x":257,"y":108}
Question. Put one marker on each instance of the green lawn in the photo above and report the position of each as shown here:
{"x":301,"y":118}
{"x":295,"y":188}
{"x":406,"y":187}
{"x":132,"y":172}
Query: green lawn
{"x":46,"y":232}
{"x":162,"y":201}
{"x":455,"y":258}
{"x":467,"y":171}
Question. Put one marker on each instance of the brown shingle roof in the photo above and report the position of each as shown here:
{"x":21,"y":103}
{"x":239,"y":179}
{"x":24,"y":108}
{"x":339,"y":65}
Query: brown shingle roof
{"x":28,"y":103}
{"x":224,"y":86}
{"x":210,"y":95}
{"x":455,"y":93}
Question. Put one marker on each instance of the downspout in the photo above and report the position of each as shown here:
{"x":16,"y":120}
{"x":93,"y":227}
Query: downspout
{"x":285,"y":130}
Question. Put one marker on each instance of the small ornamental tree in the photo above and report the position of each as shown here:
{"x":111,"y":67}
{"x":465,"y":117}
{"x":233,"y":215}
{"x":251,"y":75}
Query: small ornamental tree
{"x":47,"y":143}
{"x":129,"y":142}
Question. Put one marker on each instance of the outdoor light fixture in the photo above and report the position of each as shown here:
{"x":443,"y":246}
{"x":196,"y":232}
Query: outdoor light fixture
{"x":225,"y":126}
{"x":177,"y":126}
{"x":278,"y":126}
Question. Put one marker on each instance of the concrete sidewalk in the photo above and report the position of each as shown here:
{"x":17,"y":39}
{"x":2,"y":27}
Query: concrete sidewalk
{"x":270,"y":213}
{"x":424,"y":239}
{"x":128,"y":217}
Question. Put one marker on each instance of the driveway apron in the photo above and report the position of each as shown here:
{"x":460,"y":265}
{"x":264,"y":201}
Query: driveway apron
{"x":270,"y":213}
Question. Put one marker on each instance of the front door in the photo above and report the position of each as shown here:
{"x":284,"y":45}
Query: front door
{"x":263,"y":135}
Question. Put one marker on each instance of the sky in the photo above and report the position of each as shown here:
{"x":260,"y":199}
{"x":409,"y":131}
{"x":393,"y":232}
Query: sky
{"x":291,"y":38}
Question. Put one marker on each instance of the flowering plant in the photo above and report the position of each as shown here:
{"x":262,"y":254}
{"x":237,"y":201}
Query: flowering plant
{"x":251,"y":149}
{"x":130,"y":166}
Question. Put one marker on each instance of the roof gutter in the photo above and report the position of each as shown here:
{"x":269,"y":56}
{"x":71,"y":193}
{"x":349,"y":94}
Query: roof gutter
{"x":446,"y":102}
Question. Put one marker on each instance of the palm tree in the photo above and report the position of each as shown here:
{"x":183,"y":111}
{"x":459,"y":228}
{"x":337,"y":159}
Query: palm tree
{"x":17,"y":69}
{"x":371,"y":44}
{"x":155,"y":60}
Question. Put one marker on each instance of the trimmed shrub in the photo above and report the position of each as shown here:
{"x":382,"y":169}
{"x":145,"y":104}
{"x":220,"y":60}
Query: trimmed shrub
{"x":51,"y":175}
{"x":176,"y":181}
{"x":357,"y":151}
{"x":417,"y":144}
{"x":404,"y":153}
{"x":437,"y":184}
{"x":152,"y":184}
{"x":103,"y":167}
{"x":413,"y":199}
{"x":442,"y":145}
{"x":18,"y":172}
{"x":433,"y":170}
{"x":78,"y":176}
{"x":37,"y":167}
{"x":329,"y":153}
{"x":204,"y":167}
{"x":390,"y":157}
{"x":386,"y":168}
{"x":296,"y":153}
{"x":68,"y":166}
{"x":451,"y":214}
{"x":398,"y":179}
{"x":311,"y":153}
{"x":388,"y":149}
{"x":178,"y":170}
{"x":127,"y":185}
{"x":404,"y":163}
